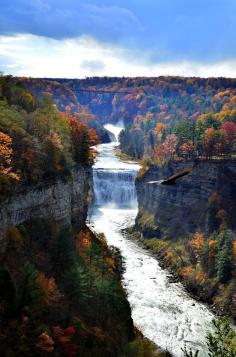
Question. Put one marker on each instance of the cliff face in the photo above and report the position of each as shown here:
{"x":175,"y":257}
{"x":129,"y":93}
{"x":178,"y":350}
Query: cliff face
{"x":189,"y":205}
{"x":64,"y":201}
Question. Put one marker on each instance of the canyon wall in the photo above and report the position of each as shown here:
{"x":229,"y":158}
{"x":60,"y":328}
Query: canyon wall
{"x":193,"y":203}
{"x":65,"y":201}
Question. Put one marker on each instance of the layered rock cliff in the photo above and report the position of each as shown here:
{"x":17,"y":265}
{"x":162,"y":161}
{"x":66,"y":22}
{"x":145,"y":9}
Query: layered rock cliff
{"x":189,"y":205}
{"x":65,"y":201}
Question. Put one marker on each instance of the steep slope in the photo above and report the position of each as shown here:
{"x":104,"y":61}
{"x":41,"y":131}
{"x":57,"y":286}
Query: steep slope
{"x":180,"y":209}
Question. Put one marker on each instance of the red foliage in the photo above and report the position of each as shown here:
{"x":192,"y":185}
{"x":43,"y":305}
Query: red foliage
{"x":229,"y":129}
{"x":166,"y":151}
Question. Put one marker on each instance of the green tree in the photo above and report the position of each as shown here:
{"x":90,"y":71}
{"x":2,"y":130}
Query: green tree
{"x":222,"y":342}
{"x":224,"y":257}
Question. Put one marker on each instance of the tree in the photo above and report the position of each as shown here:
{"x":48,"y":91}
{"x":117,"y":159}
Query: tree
{"x":209,"y":141}
{"x":81,"y":141}
{"x":49,"y":288}
{"x":187,"y":149}
{"x":228,"y":130}
{"x":221,"y":343}
{"x":165,"y":151}
{"x":224,"y":257}
{"x":6,"y":153}
{"x":31,"y":292}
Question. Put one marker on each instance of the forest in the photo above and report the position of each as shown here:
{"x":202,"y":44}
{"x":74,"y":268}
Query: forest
{"x":165,"y":117}
{"x":61,"y":294}
{"x":37,"y":141}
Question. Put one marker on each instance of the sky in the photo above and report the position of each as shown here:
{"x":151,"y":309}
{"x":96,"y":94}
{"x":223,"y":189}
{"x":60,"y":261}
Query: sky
{"x":77,"y":39}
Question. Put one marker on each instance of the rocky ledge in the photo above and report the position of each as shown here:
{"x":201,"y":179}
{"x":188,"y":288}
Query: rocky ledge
{"x":65,"y":201}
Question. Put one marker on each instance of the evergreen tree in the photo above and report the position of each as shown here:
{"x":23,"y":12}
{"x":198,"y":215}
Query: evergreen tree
{"x":224,"y":257}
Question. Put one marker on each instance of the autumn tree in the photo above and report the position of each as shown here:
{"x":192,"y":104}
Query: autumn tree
{"x":187,"y":149}
{"x":165,"y":151}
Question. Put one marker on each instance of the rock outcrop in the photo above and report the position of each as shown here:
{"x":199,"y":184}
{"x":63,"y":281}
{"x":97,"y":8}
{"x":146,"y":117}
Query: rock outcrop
{"x":189,"y":205}
{"x":65,"y":201}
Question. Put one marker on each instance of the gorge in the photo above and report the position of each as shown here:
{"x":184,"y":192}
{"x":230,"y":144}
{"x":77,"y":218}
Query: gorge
{"x":161,"y":309}
{"x":59,"y":271}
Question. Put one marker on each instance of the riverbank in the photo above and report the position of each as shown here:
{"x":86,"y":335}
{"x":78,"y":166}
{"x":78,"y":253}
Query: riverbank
{"x":165,"y":257}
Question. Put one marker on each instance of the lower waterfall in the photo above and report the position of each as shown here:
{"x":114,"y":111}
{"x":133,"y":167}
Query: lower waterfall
{"x":162,"y":310}
{"x":114,"y":187}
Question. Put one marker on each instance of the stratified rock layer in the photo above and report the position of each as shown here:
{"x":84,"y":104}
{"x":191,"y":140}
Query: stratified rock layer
{"x":65,"y":201}
{"x":189,"y":205}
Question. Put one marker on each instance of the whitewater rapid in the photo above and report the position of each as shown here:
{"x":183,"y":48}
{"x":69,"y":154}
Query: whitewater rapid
{"x":162,"y":310}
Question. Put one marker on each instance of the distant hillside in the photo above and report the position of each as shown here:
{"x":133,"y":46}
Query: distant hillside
{"x":200,"y":113}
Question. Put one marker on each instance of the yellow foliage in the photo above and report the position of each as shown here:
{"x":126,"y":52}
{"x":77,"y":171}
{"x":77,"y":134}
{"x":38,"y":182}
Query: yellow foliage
{"x":222,"y":94}
{"x":143,"y":169}
{"x":160,"y":127}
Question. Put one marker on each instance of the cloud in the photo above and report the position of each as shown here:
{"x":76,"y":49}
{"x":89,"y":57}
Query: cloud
{"x":93,"y":65}
{"x":67,"y":19}
{"x":179,"y":30}
{"x":37,"y":56}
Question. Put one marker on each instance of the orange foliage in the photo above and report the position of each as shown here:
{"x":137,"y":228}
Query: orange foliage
{"x":234,"y":248}
{"x":83,"y":241}
{"x":187,"y":148}
{"x":212,"y":247}
{"x":111,"y":263}
{"x":214,"y":199}
{"x":186,"y":272}
{"x":223,"y":216}
{"x":6,"y":156}
{"x":5,"y":149}
{"x":49,"y":287}
{"x":197,"y":243}
{"x":45,"y":342}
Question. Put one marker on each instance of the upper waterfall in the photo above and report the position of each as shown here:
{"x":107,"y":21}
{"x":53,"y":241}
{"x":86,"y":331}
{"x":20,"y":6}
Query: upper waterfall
{"x":114,"y":180}
{"x":115,"y":129}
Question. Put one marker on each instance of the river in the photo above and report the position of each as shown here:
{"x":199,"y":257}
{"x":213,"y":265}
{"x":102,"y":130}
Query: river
{"x":162,"y":310}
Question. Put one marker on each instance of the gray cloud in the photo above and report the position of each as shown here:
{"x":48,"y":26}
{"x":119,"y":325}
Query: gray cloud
{"x":197,"y":30}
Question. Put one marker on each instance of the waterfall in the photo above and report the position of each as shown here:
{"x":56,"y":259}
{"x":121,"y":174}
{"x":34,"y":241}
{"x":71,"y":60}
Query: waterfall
{"x":115,"y":129}
{"x":113,"y":179}
{"x":114,"y":188}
